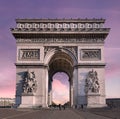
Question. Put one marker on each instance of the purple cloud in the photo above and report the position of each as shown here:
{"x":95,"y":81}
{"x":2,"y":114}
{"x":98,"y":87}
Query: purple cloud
{"x":9,"y":11}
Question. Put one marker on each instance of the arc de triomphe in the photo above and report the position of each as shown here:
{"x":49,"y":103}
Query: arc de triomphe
{"x":47,"y":46}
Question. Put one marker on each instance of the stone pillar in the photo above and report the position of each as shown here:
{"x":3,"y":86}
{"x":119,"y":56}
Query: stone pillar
{"x":75,"y":86}
{"x":51,"y":97}
{"x":46,"y":87}
{"x":71,"y":92}
{"x":50,"y":93}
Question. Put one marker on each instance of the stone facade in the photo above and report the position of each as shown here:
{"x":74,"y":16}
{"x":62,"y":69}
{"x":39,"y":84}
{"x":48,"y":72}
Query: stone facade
{"x":47,"y":46}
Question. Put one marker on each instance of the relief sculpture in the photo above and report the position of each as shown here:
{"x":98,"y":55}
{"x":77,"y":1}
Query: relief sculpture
{"x":91,"y":54}
{"x":29,"y":83}
{"x":92,"y":82}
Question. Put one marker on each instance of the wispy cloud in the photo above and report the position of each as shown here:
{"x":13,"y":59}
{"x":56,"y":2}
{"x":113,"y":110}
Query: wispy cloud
{"x":60,"y":92}
{"x":60,"y":9}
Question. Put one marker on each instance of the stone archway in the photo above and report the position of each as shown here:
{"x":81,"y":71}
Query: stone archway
{"x":61,"y":62}
{"x":46,"y":46}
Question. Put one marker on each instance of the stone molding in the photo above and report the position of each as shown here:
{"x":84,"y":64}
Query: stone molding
{"x":30,"y":65}
{"x":60,"y":40}
{"x":90,"y":65}
{"x":61,"y":20}
{"x":24,"y":94}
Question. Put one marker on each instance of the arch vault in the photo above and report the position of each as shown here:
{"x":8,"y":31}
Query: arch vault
{"x":61,"y":61}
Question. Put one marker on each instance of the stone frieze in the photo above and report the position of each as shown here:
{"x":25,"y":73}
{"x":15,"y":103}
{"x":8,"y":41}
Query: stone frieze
{"x":90,"y":54}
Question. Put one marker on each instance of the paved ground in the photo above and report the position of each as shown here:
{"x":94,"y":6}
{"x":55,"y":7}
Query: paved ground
{"x":113,"y":113}
{"x":49,"y":114}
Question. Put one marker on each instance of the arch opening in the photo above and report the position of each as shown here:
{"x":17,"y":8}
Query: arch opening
{"x":60,"y":88}
{"x":62,"y":64}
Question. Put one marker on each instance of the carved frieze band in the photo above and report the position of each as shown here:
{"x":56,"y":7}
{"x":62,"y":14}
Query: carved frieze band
{"x":90,"y":54}
{"x":29,"y":54}
{"x":61,"y":40}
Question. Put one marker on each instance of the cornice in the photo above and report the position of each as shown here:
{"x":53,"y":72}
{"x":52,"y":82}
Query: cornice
{"x":60,"y":20}
{"x":78,"y":33}
{"x":90,"y":65}
{"x":30,"y":65}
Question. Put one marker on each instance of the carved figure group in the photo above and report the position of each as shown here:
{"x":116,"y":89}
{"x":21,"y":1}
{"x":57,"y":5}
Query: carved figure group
{"x":29,"y":84}
{"x":92,"y":83}
{"x":91,"y":54}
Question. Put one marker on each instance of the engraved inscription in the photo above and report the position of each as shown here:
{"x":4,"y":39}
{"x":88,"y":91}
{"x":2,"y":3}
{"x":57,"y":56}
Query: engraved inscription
{"x":29,"y":54}
{"x":90,"y":54}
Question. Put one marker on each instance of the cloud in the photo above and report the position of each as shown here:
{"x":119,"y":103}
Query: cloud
{"x":61,"y":9}
{"x":113,"y":86}
{"x":62,"y":77}
{"x":60,"y":92}
{"x":112,"y":58}
{"x":7,"y":82}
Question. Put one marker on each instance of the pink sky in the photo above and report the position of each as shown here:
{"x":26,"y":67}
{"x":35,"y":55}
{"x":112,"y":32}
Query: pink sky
{"x":10,"y":10}
{"x":60,"y":92}
{"x":60,"y":88}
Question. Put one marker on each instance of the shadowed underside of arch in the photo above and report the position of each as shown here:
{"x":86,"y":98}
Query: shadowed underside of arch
{"x":61,"y":62}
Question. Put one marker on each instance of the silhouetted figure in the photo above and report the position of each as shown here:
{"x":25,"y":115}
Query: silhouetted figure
{"x":82,"y":106}
{"x":64,"y":107}
{"x":59,"y":106}
{"x":75,"y":106}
